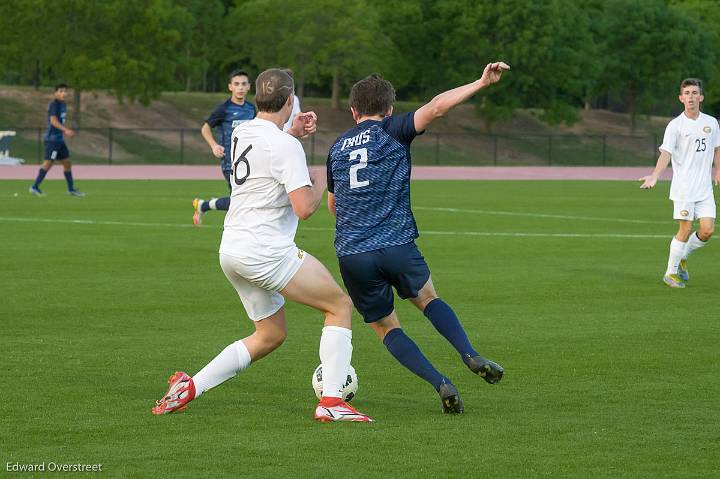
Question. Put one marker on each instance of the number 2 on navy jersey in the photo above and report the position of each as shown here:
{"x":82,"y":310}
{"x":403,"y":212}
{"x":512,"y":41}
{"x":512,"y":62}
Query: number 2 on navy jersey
{"x":355,"y":155}
{"x":240,"y":159}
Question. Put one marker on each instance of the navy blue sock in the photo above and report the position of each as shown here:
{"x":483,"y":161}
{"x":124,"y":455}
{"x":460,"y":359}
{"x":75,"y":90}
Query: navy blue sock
{"x":40,"y":177}
{"x":222,"y":203}
{"x":69,"y":179}
{"x":409,"y":355}
{"x":447,"y":323}
{"x":205,"y":206}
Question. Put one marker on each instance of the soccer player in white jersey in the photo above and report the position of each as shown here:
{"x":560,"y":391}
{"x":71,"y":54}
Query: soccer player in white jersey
{"x":692,"y":143}
{"x":271,"y":188}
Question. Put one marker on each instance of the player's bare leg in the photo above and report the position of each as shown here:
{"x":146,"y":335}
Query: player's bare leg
{"x":447,"y":323}
{"x":269,"y":334}
{"x":314,"y":286}
{"x":696,"y":240}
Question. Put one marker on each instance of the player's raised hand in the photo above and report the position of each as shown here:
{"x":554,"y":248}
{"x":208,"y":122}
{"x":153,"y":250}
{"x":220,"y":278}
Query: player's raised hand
{"x":310,"y":126}
{"x":218,"y":150}
{"x":648,"y":182}
{"x":493,"y":72}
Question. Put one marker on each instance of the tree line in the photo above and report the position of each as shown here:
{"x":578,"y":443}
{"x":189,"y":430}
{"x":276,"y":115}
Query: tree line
{"x":629,"y":55}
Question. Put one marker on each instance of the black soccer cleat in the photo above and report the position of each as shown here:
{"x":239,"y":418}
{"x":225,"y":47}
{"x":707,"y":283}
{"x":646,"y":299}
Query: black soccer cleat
{"x":486,"y":369}
{"x":450,"y":398}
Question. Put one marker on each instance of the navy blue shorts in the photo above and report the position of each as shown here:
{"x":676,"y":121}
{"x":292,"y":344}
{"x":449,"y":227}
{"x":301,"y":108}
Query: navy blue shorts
{"x":226,"y":174}
{"x":369,"y":278}
{"x":56,"y":151}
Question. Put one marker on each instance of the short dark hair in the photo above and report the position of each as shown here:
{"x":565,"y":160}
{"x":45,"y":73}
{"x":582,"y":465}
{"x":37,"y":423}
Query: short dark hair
{"x":237,"y":73}
{"x":60,"y":86}
{"x":373,"y":95}
{"x":692,"y":82}
{"x":273,"y":87}
{"x":289,"y":72}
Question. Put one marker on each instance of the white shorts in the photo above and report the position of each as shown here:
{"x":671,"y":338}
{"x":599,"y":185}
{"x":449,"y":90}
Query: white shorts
{"x":258,"y":284}
{"x":692,"y":210}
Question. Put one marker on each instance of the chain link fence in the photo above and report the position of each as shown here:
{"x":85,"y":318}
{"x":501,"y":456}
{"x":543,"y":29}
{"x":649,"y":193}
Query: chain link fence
{"x":120,"y":146}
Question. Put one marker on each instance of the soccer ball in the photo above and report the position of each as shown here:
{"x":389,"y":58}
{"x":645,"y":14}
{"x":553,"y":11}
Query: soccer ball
{"x":349,"y":388}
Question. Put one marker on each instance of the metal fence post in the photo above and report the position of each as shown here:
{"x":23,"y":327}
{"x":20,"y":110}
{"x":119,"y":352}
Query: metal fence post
{"x":312,"y":149}
{"x":495,"y":146}
{"x":437,"y":149}
{"x":39,"y":148}
{"x":549,"y":150}
{"x":182,"y":145}
{"x":110,"y":142}
{"x":654,"y":146}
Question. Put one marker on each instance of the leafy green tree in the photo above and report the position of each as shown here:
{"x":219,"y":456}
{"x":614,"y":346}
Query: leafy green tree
{"x":650,"y":48}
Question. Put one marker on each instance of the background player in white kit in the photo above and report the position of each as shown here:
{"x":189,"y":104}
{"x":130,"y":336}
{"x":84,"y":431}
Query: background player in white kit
{"x":271,"y":187}
{"x":692,"y":142}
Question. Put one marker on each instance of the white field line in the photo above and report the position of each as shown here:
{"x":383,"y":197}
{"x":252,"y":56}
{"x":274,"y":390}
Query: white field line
{"x":313,"y":228}
{"x":542,"y":215}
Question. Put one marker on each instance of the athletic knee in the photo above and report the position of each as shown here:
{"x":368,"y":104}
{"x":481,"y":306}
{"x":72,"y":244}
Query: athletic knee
{"x":273,"y":341}
{"x":705,"y":233}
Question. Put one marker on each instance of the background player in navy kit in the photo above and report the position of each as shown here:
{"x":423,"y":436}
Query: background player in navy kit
{"x":227,"y":115}
{"x":369,"y":192}
{"x":55,"y":147}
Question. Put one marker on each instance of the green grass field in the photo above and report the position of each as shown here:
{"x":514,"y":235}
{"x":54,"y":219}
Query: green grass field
{"x":608,"y":372}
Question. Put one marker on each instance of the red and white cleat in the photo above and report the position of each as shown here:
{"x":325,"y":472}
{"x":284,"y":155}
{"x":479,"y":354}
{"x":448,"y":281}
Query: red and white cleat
{"x":180,"y":392}
{"x":198,"y":214}
{"x":340,"y":412}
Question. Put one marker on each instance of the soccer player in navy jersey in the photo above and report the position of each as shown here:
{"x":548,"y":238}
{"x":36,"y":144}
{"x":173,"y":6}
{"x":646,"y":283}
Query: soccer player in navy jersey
{"x":368,"y":172}
{"x":227,"y":115}
{"x":55,"y":147}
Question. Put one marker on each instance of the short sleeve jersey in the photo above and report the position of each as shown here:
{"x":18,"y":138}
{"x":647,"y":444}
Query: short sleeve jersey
{"x":57,"y":109}
{"x":293,"y":114}
{"x":267,"y":165}
{"x":692,"y":145}
{"x":228,"y":116}
{"x":368,"y":170}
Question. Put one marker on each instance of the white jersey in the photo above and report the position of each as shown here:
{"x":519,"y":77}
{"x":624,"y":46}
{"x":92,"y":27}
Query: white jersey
{"x":692,"y":145}
{"x":267,"y":164}
{"x":295,"y":111}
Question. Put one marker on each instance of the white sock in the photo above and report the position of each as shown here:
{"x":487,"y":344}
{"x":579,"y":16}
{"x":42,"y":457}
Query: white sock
{"x":693,"y":243}
{"x":335,"y":355}
{"x":677,"y":250}
{"x":226,"y":365}
{"x":211,"y":204}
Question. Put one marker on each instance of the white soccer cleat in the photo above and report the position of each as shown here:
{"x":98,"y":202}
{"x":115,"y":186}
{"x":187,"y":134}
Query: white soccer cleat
{"x":340,"y":412}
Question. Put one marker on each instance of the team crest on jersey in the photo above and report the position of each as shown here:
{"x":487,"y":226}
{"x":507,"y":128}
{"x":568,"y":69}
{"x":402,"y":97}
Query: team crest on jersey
{"x":707,"y":129}
{"x":684,"y":213}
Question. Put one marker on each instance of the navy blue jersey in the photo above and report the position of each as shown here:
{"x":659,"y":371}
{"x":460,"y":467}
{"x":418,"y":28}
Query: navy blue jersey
{"x":58,"y":109}
{"x":368,"y":170}
{"x":228,"y":115}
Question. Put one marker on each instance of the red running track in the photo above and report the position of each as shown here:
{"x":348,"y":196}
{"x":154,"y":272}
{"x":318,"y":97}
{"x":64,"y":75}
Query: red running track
{"x":186,"y":172}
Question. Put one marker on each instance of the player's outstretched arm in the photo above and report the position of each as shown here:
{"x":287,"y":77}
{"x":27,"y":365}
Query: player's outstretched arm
{"x":716,"y":178}
{"x":448,"y":100}
{"x":662,"y":163}
{"x":206,"y":132}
